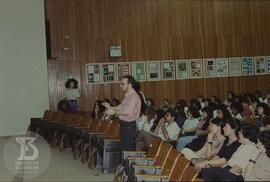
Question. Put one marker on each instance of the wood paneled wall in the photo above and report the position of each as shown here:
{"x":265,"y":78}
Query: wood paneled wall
{"x":155,"y":30}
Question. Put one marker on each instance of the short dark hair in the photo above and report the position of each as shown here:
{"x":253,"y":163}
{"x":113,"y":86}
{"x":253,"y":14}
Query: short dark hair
{"x":265,"y":108}
{"x":209,"y":112}
{"x":180,"y":111}
{"x":264,"y":137}
{"x":171,"y":112}
{"x":250,"y":132}
{"x":245,"y":100}
{"x":219,"y":122}
{"x":132,"y":81}
{"x":68,"y":82}
{"x":194,"y":111}
{"x":235,"y":124}
{"x":237,"y":106}
{"x":225,"y":111}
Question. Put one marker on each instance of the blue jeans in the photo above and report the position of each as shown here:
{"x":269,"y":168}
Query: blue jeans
{"x":72,"y":106}
{"x":183,"y":141}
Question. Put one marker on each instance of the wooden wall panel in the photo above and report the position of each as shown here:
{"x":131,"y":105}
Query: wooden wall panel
{"x":155,"y":30}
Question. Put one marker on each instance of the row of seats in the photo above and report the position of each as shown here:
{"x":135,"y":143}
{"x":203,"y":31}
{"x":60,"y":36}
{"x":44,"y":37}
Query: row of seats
{"x":160,"y":163}
{"x":85,"y":135}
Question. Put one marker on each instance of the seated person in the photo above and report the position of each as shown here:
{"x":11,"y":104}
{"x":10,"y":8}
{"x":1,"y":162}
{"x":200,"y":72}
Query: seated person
{"x":188,"y":130}
{"x":150,"y":113}
{"x":262,"y":112}
{"x":247,"y":112}
{"x":237,"y":109}
{"x":258,"y":168}
{"x":140,"y":121}
{"x":230,"y":145}
{"x":234,"y":168}
{"x":180,"y":115}
{"x":215,"y":140}
{"x":201,"y":130}
{"x":167,"y":129}
{"x":166,"y":105}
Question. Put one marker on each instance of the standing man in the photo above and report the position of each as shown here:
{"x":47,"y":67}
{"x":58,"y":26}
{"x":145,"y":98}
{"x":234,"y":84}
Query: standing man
{"x":128,"y":112}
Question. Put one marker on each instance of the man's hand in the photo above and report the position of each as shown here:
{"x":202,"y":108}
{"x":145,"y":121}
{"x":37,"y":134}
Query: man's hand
{"x":161,"y":122}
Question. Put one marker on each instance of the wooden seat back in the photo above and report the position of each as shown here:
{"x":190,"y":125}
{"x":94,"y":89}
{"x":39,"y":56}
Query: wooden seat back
{"x":77,"y":119}
{"x":87,"y":119}
{"x":178,"y":168}
{"x":189,"y":174}
{"x":67,"y":118}
{"x":94,"y":125}
{"x":47,"y":115}
{"x":57,"y":116}
{"x":111,"y":131}
{"x":168,"y":164}
{"x":153,"y":147}
{"x":162,"y":154}
{"x":103,"y":127}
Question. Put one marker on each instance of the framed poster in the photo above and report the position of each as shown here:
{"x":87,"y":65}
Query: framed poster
{"x":181,"y":69}
{"x":195,"y":66}
{"x":247,"y":66}
{"x":139,"y":71}
{"x":108,"y":72}
{"x":222,"y":67}
{"x":153,"y":71}
{"x":260,"y":65}
{"x":267,"y":58}
{"x":209,"y":68}
{"x":235,"y":66}
{"x":168,"y":72}
{"x":122,"y":69}
{"x":93,"y":73}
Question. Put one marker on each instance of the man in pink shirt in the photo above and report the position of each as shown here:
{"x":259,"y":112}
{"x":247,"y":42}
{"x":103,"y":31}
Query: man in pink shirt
{"x":128,"y":112}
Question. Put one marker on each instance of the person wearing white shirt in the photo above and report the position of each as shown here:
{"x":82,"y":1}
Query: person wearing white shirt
{"x":236,"y":166}
{"x":72,"y":95}
{"x":167,"y":129}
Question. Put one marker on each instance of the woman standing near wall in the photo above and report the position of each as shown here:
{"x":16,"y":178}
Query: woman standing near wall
{"x":72,"y":95}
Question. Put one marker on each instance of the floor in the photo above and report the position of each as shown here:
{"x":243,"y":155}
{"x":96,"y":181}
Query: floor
{"x":62,"y":167}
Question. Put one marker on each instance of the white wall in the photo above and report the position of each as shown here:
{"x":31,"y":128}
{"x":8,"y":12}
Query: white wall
{"x":23,"y":65}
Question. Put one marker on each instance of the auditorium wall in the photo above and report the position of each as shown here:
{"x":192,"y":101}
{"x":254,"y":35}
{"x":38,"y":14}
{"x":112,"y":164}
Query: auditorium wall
{"x":83,"y":31}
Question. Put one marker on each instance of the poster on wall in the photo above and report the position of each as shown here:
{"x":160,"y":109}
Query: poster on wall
{"x":222,"y":67}
{"x":153,"y":71}
{"x":122,"y":69}
{"x":168,"y":72}
{"x":247,"y":66}
{"x":260,"y":65}
{"x":195,"y":68}
{"x":209,"y":68}
{"x":139,"y":71}
{"x":108,"y":72}
{"x":268,"y":64}
{"x":93,"y":73}
{"x":181,"y":69}
{"x":235,"y":66}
